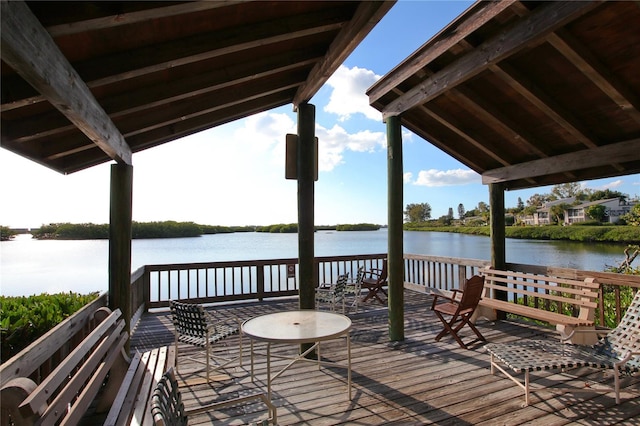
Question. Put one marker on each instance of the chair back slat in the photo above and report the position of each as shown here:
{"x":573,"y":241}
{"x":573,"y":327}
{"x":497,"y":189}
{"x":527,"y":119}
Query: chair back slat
{"x":340,"y":286}
{"x":189,"y":319}
{"x":472,"y":293}
{"x":626,"y":336}
{"x":167,"y":407}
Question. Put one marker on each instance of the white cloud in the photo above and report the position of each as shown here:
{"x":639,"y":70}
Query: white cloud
{"x":407,"y":177}
{"x":335,"y":141}
{"x":435,"y":177}
{"x":349,"y":93}
{"x":612,"y":185}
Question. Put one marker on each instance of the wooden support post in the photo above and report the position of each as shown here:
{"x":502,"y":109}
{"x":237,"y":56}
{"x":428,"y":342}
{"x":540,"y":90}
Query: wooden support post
{"x":120,"y":241}
{"x":497,"y":232}
{"x":306,"y":169}
{"x":395,"y":217}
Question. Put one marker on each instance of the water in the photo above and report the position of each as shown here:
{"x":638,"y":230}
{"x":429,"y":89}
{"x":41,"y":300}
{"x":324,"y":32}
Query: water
{"x":30,"y":266}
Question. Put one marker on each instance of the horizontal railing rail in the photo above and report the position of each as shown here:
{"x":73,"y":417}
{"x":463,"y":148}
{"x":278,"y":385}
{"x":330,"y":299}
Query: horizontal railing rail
{"x":214,"y":282}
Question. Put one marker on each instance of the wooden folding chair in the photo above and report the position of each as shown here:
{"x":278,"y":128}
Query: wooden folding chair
{"x":460,"y":309}
{"x":374,"y":281}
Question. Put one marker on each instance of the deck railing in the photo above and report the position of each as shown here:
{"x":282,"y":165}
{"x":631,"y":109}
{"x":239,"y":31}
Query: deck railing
{"x":212,"y":282}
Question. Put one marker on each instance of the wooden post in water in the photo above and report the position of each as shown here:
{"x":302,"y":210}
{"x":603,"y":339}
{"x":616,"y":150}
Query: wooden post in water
{"x":120,"y":241}
{"x":395,"y":217}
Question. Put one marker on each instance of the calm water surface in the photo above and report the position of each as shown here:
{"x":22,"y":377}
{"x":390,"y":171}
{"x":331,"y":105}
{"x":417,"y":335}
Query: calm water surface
{"x":30,"y":266}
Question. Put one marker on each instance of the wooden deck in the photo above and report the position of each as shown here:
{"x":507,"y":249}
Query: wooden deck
{"x":417,"y":381}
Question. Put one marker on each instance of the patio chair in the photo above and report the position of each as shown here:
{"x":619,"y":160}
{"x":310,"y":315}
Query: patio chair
{"x":459,"y":309}
{"x":333,"y":294}
{"x":354,"y":287}
{"x":618,"y":350}
{"x":167,"y":407}
{"x":374,"y":281}
{"x":195,"y":326}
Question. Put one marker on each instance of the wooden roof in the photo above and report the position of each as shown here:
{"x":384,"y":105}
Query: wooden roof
{"x":527,"y":93}
{"x":87,"y":82}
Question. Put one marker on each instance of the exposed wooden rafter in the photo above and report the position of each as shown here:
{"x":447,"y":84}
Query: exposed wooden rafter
{"x":531,"y":29}
{"x":366,"y":17}
{"x":30,"y":51}
{"x":602,"y":156}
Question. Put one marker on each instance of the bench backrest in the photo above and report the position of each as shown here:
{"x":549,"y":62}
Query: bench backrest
{"x":563,"y":295}
{"x":74,"y":383}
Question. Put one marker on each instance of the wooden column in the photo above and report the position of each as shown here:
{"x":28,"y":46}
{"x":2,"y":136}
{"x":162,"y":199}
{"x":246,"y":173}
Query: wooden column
{"x":306,"y":165}
{"x":120,"y":240}
{"x":395,"y":241}
{"x":497,"y":225}
{"x":497,"y":232}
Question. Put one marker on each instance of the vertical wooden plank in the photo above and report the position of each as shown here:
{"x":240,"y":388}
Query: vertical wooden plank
{"x":395,"y":241}
{"x":497,"y":232}
{"x":120,"y":242}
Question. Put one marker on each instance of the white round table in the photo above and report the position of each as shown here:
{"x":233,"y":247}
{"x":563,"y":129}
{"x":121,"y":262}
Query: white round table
{"x":298,"y":327}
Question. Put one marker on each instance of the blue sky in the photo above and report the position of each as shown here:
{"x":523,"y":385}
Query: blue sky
{"x":234,"y":174}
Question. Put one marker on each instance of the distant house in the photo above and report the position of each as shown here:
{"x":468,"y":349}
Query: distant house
{"x":542,"y":216}
{"x":614,"y":208}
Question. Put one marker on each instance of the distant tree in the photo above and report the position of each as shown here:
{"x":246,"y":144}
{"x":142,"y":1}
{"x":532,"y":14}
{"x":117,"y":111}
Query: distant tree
{"x":450,"y":213}
{"x":606,"y":194}
{"x":557,"y":212}
{"x":520,"y":205}
{"x":483,"y":207}
{"x":567,"y":190}
{"x":417,"y":212}
{"x":596,"y":212}
{"x":460,"y":211}
{"x":633,"y":217}
{"x":537,"y":200}
{"x":6,"y":233}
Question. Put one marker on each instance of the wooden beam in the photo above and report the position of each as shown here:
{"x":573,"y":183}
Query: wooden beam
{"x":531,"y":29}
{"x":172,"y":54}
{"x":598,"y":73}
{"x":595,"y":157}
{"x":365,"y":18}
{"x":31,"y":52}
{"x":129,"y":18}
{"x":448,"y":37}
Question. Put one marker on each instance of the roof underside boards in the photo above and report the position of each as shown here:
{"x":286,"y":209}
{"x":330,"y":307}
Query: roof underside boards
{"x":527,"y":93}
{"x":158,"y":71}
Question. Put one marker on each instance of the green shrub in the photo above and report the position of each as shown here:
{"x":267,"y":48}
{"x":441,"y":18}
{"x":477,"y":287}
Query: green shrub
{"x":24,"y":319}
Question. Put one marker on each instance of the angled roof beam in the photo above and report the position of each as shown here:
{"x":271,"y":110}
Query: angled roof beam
{"x":30,"y":51}
{"x":531,"y":29}
{"x":455,"y":33}
{"x":607,"y":155}
{"x":365,"y":18}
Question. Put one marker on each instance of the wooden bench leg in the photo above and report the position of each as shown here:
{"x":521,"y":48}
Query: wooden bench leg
{"x":578,"y":338}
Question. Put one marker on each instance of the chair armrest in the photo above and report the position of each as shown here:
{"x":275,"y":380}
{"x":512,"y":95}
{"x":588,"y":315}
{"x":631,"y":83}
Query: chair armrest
{"x":451,"y":298}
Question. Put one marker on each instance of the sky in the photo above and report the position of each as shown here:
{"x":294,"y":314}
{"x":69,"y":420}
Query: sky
{"x":234,"y":174}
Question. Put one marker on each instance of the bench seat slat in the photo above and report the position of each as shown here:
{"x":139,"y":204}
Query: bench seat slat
{"x":127,"y":383}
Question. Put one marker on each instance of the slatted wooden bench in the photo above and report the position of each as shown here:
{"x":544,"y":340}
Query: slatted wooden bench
{"x":566,"y":303}
{"x":78,"y":379}
{"x":131,"y":405}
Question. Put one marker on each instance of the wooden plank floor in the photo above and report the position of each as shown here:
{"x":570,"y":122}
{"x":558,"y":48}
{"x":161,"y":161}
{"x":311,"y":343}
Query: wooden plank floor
{"x":413,"y":382}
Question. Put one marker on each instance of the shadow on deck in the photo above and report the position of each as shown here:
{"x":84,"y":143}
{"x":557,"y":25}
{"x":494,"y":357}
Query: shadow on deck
{"x":416,"y":381}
